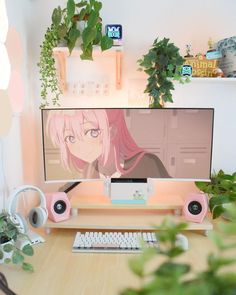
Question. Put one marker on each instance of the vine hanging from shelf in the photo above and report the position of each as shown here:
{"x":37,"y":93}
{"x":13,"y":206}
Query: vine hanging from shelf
{"x":162,"y":64}
{"x":78,"y":22}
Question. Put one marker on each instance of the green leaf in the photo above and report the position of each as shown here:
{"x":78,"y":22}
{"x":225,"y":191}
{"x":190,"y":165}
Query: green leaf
{"x":27,"y":267}
{"x":17,"y":257}
{"x":28,"y":250}
{"x":174,"y":252}
{"x":215,"y":262}
{"x":8,"y":248}
{"x":155,"y":93}
{"x":1,"y":254}
{"x":93,"y":19}
{"x":72,"y":38}
{"x":87,"y":52}
{"x":217,"y":239}
{"x":106,"y":43}
{"x":137,"y":266}
{"x":81,"y":4}
{"x":56,"y":16}
{"x":228,"y":228}
{"x":62,"y":30}
{"x":70,"y":9}
{"x":169,"y":269}
{"x":88,"y":35}
{"x":82,"y":14}
{"x":97,"y":6}
{"x":98,"y":38}
{"x":217,"y":211}
{"x":219,"y":200}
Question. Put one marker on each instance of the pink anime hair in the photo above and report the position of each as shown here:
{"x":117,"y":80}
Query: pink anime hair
{"x":124,"y":145}
{"x":60,"y":120}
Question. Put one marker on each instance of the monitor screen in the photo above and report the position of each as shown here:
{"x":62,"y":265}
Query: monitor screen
{"x":89,"y":144}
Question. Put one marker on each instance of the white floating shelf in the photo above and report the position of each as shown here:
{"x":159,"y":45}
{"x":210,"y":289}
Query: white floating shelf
{"x":209,"y":79}
{"x":97,"y":212}
{"x":124,"y":220}
{"x":61,"y":53}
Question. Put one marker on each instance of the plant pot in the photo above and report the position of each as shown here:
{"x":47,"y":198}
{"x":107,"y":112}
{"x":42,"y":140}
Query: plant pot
{"x":6,"y":255}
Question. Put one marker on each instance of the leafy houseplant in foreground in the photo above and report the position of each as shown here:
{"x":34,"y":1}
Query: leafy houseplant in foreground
{"x":9,"y":251}
{"x":78,"y":22}
{"x":162,"y":63}
{"x":174,"y":278}
{"x":221,"y":190}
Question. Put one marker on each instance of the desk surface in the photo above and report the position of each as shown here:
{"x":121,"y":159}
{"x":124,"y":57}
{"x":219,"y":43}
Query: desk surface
{"x":59,"y":271}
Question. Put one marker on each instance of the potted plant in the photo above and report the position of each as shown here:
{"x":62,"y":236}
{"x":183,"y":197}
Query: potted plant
{"x":9,"y":250}
{"x":221,"y":191}
{"x":162,"y":64}
{"x":172,"y":277}
{"x":77,"y":22}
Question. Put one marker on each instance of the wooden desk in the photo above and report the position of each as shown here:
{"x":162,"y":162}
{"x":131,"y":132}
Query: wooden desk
{"x":58,"y":271}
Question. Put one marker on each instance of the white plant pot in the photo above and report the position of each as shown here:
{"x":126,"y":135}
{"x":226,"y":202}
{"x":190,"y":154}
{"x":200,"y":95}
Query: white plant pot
{"x":6,"y":255}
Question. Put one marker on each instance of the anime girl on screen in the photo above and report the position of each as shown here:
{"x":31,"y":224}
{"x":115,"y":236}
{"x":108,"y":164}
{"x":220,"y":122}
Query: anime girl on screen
{"x":98,"y":144}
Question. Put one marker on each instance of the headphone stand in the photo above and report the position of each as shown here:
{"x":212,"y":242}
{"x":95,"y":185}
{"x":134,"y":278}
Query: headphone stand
{"x":34,"y":237}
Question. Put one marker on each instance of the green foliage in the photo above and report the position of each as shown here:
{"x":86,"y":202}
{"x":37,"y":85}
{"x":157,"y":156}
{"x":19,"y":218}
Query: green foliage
{"x":175,"y":278}
{"x":162,"y":64}
{"x":221,"y":191}
{"x":47,"y":69}
{"x":9,"y":232}
{"x":66,"y":29}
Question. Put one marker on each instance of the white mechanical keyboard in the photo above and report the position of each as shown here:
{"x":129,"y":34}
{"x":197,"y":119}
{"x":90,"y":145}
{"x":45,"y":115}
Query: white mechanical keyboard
{"x":113,"y":242}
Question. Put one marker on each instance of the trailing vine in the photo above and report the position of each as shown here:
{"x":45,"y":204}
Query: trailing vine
{"x":47,"y":67}
{"x":162,"y":64}
{"x":65,"y":29}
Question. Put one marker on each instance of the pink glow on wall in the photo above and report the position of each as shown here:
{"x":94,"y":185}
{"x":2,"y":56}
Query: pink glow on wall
{"x":16,"y":92}
{"x":14,"y":48}
{"x":5,"y":113}
{"x":5,"y":68}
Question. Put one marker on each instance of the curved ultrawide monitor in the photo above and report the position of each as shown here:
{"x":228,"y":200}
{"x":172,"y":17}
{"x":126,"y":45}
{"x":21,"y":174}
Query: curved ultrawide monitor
{"x":90,"y":144}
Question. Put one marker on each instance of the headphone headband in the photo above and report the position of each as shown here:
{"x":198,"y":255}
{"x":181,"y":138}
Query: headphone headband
{"x":12,"y":199}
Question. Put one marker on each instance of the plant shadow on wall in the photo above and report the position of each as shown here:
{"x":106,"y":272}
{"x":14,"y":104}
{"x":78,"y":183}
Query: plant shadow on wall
{"x":9,"y":238}
{"x":174,"y":278}
{"x":162,"y":64}
{"x":77,"y":23}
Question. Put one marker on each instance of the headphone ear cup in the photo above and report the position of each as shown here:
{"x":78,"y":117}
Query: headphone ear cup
{"x":37,"y":216}
{"x":21,"y":222}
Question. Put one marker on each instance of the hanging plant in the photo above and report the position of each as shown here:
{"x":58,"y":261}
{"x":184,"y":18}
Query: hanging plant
{"x":162,"y":64}
{"x":66,"y":29}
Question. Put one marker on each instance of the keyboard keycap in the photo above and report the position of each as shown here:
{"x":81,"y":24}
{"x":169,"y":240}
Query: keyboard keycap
{"x":113,"y":242}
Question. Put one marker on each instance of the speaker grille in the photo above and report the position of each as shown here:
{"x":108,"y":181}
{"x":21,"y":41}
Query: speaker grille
{"x":195,"y":208}
{"x":60,"y":207}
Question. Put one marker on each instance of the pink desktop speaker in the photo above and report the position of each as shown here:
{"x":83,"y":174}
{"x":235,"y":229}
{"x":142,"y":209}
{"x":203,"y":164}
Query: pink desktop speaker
{"x":195,"y":207}
{"x":58,"y":206}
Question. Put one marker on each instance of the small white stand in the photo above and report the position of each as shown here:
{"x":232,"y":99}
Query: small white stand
{"x":128,"y":191}
{"x":34,"y":239}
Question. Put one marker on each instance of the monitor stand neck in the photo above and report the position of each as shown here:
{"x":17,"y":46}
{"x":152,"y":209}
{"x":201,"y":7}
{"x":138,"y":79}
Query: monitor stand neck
{"x":68,"y":187}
